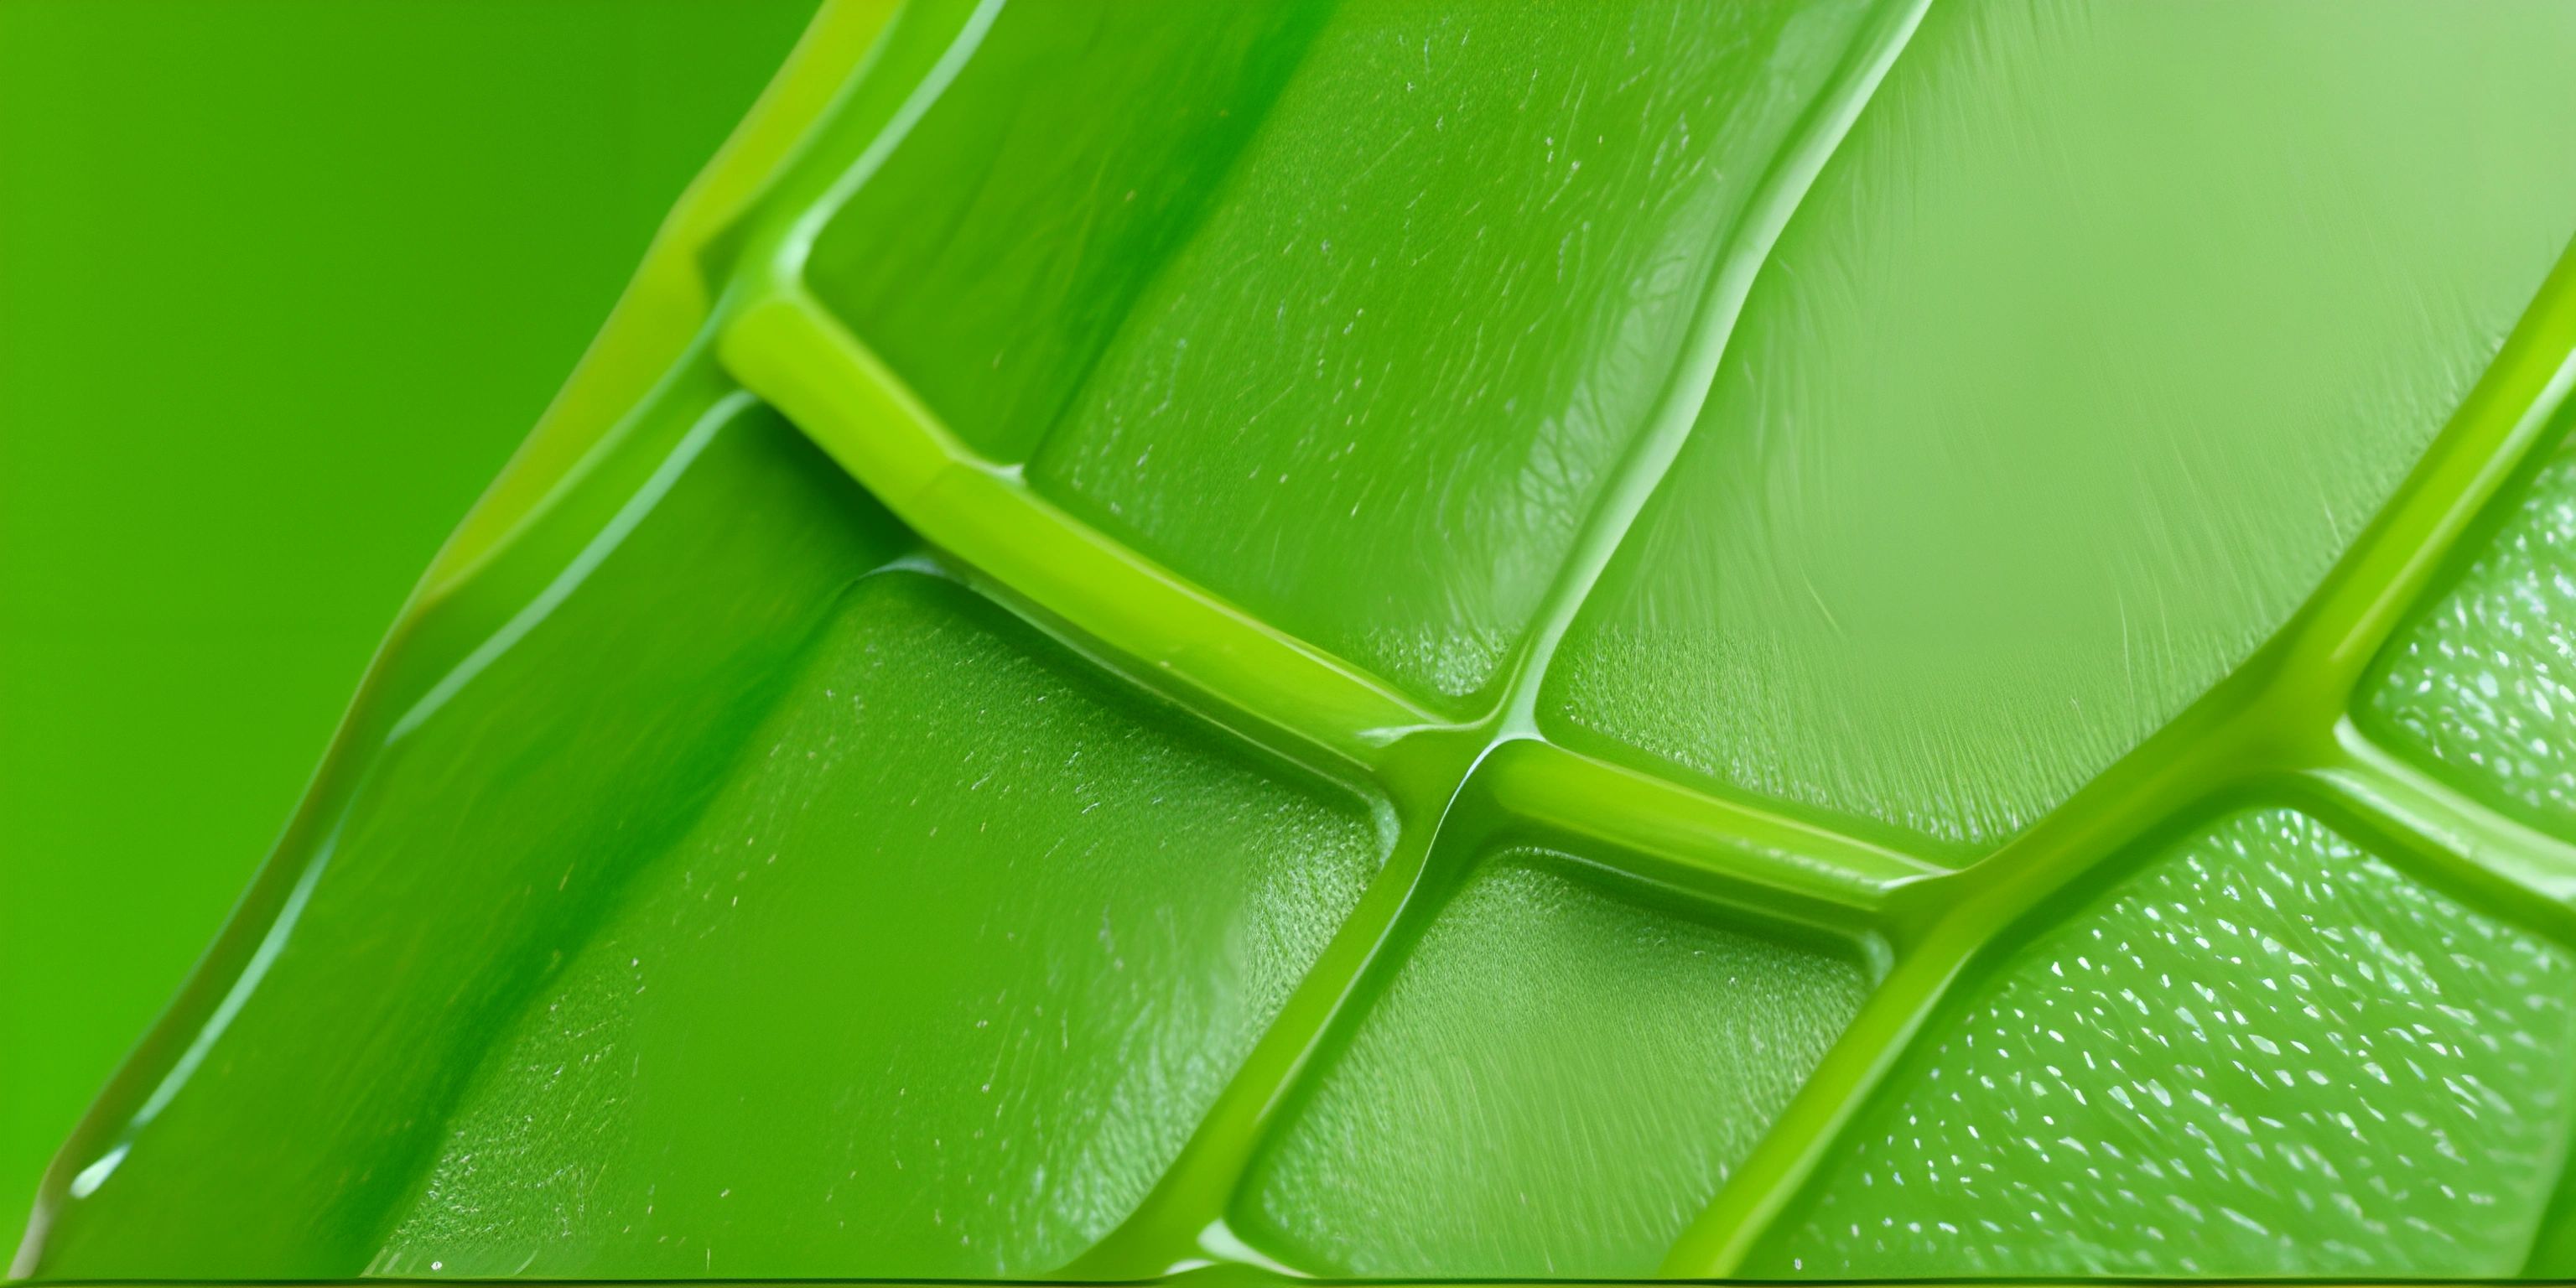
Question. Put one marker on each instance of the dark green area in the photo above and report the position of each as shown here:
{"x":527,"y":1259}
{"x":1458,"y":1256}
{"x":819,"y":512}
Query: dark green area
{"x":997,"y":253}
{"x":281,"y":286}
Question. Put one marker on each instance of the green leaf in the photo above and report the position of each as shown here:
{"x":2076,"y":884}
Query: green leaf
{"x":1432,"y":640}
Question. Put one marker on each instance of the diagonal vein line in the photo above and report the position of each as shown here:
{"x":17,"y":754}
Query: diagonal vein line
{"x":2398,"y":795}
{"x":1756,"y":233}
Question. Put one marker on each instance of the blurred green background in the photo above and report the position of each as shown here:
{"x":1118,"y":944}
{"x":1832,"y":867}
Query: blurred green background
{"x":281,"y":286}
